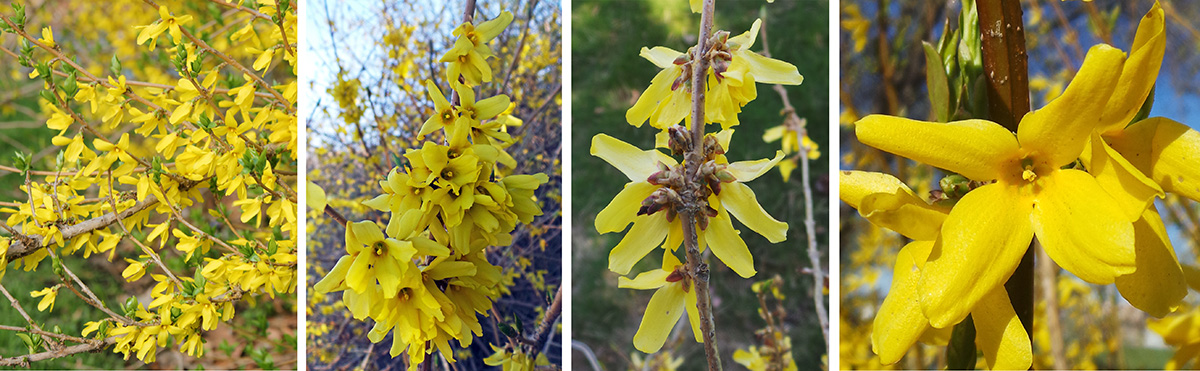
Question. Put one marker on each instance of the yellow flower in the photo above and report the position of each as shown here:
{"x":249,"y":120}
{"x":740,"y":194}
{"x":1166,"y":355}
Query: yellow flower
{"x":650,"y":228}
{"x":1080,"y":225}
{"x":889,"y":203}
{"x":372,"y":256}
{"x":674,"y":293}
{"x":48,"y":36}
{"x":167,"y":23}
{"x":468,"y":57}
{"x":731,"y":82}
{"x":444,"y":114}
{"x":48,"y":294}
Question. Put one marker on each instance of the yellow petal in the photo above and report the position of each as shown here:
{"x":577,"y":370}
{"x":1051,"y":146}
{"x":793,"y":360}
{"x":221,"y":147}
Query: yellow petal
{"x":973,"y":148}
{"x":645,"y":281}
{"x":623,"y":208}
{"x":1139,"y":73}
{"x":1082,"y":229}
{"x":661,"y":56}
{"x":900,"y":321}
{"x":983,"y":240}
{"x":489,"y":108}
{"x":663,"y":311}
{"x":1166,"y":150}
{"x":1132,"y":190}
{"x":728,"y":246}
{"x":490,"y":29}
{"x":633,"y":162}
{"x":693,"y":313}
{"x":999,"y":334}
{"x":771,"y":71}
{"x":647,"y":232}
{"x":740,"y":201}
{"x":314,"y":196}
{"x":648,"y":102}
{"x":1058,"y":131}
{"x":746,"y":171}
{"x":1158,"y":285}
{"x":889,"y":203}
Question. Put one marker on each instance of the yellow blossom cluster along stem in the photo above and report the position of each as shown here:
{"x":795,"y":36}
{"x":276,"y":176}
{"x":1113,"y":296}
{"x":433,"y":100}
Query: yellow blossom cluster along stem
{"x":207,"y":145}
{"x":692,"y":204}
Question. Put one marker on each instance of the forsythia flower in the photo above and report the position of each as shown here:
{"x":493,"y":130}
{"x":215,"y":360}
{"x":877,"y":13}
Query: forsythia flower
{"x":167,"y":23}
{"x":674,"y":294}
{"x":48,"y":295}
{"x":730,"y":81}
{"x":468,"y":57}
{"x":887,"y":202}
{"x":985,"y":235}
{"x":652,"y":177}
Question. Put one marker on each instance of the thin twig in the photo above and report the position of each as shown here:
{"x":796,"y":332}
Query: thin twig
{"x":544,"y":329}
{"x":695,"y":264}
{"x":794,"y":122}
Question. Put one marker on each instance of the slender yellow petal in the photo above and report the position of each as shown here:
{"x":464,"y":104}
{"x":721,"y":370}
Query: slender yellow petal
{"x":1132,"y":190}
{"x":633,"y":162}
{"x":648,"y":102}
{"x":1082,"y":229}
{"x":887,"y":202}
{"x":999,"y":334}
{"x":315,"y":197}
{"x":746,"y":171}
{"x":771,"y":71}
{"x":1158,"y":285}
{"x":489,"y":108}
{"x":663,"y":311}
{"x":1166,"y":150}
{"x":645,"y":280}
{"x":728,"y":246}
{"x":973,"y":148}
{"x":661,"y":56}
{"x":1058,"y":131}
{"x":693,"y":314}
{"x":983,"y":240}
{"x":1140,"y":72}
{"x":647,"y":232}
{"x":492,"y":28}
{"x":739,"y":199}
{"x":623,"y":208}
{"x":900,"y":321}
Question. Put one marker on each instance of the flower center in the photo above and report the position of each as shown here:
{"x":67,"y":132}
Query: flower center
{"x":379,"y":248}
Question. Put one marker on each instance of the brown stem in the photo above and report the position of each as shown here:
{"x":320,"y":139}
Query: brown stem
{"x":1048,"y":273}
{"x":544,"y":329}
{"x":59,"y":353}
{"x":794,"y":122}
{"x":695,"y":264}
{"x":1006,"y":71}
{"x":335,"y":215}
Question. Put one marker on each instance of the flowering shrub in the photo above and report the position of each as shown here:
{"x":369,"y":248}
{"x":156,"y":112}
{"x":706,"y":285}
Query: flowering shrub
{"x":175,"y":157}
{"x":448,"y":199}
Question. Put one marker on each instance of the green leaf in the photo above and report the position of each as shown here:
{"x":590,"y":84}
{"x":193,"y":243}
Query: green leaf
{"x":960,"y":354}
{"x":937,"y":84}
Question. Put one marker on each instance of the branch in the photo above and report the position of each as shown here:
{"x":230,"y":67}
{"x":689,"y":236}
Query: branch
{"x":51,"y":354}
{"x":814,"y":255}
{"x":545,"y":329}
{"x":695,"y":264}
{"x":20,"y":249}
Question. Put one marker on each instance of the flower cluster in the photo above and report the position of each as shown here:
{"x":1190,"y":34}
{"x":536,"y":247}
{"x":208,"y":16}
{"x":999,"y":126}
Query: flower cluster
{"x":426,"y":277}
{"x":660,"y":185}
{"x":1082,"y":180}
{"x":140,"y":158}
